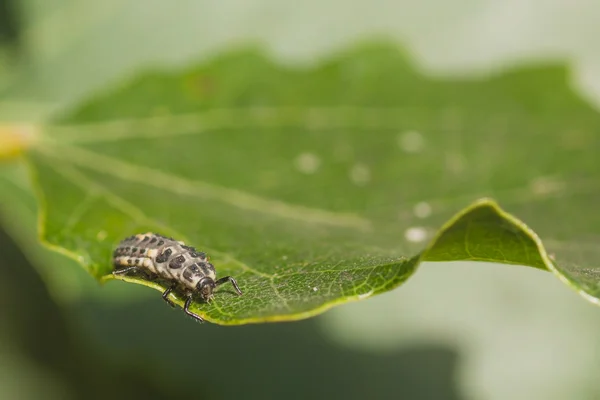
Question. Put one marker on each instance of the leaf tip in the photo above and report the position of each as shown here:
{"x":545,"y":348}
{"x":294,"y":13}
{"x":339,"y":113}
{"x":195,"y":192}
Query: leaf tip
{"x":484,"y":201}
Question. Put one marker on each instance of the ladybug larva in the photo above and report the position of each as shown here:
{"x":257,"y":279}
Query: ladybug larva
{"x":157,"y":256}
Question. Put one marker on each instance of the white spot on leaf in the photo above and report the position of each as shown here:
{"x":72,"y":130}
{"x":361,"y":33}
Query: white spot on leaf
{"x":422,"y":209}
{"x":360,"y":174}
{"x":315,"y":289}
{"x":455,"y":163}
{"x":415,"y":234}
{"x":411,"y":141}
{"x":546,"y":185}
{"x":365,"y":295}
{"x":308,"y":163}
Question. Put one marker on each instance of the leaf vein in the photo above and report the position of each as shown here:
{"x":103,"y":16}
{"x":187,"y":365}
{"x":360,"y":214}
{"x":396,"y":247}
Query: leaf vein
{"x":233,"y":197}
{"x":130,"y":209}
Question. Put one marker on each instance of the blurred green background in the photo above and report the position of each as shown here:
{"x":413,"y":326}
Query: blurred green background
{"x":454,"y":331}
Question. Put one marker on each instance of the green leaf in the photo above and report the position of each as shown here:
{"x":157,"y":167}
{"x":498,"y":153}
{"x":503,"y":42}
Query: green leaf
{"x":314,"y":187}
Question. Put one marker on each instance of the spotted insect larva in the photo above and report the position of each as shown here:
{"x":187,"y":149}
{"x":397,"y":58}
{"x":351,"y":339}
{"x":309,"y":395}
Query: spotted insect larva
{"x":157,"y":256}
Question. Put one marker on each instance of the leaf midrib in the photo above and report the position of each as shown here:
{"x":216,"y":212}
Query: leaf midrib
{"x":178,"y":185}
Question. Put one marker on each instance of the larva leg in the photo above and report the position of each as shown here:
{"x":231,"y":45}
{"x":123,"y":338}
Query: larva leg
{"x":186,"y":308}
{"x":166,"y":293}
{"x":149,"y":275}
{"x":229,"y":279}
{"x":124,"y":271}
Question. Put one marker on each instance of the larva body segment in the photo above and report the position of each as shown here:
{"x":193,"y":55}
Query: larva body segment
{"x":165,"y":257}
{"x":158,"y":256}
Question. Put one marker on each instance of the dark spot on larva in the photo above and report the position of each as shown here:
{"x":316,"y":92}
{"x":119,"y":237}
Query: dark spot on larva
{"x":134,"y":249}
{"x":127,"y":248}
{"x":191,"y":271}
{"x":187,"y":274}
{"x":196,"y":254}
{"x":164,"y":256}
{"x":204,"y":267}
{"x":177,"y":262}
{"x":137,"y":261}
{"x":145,"y":239}
{"x":130,"y":261}
{"x":188,"y":248}
{"x":153,"y":240}
{"x":142,"y":251}
{"x":160,"y":243}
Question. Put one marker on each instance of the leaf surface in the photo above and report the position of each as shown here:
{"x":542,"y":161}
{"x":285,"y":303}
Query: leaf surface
{"x":313,"y":187}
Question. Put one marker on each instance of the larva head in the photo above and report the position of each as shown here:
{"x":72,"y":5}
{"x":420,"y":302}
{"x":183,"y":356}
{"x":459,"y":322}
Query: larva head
{"x":205,"y":287}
